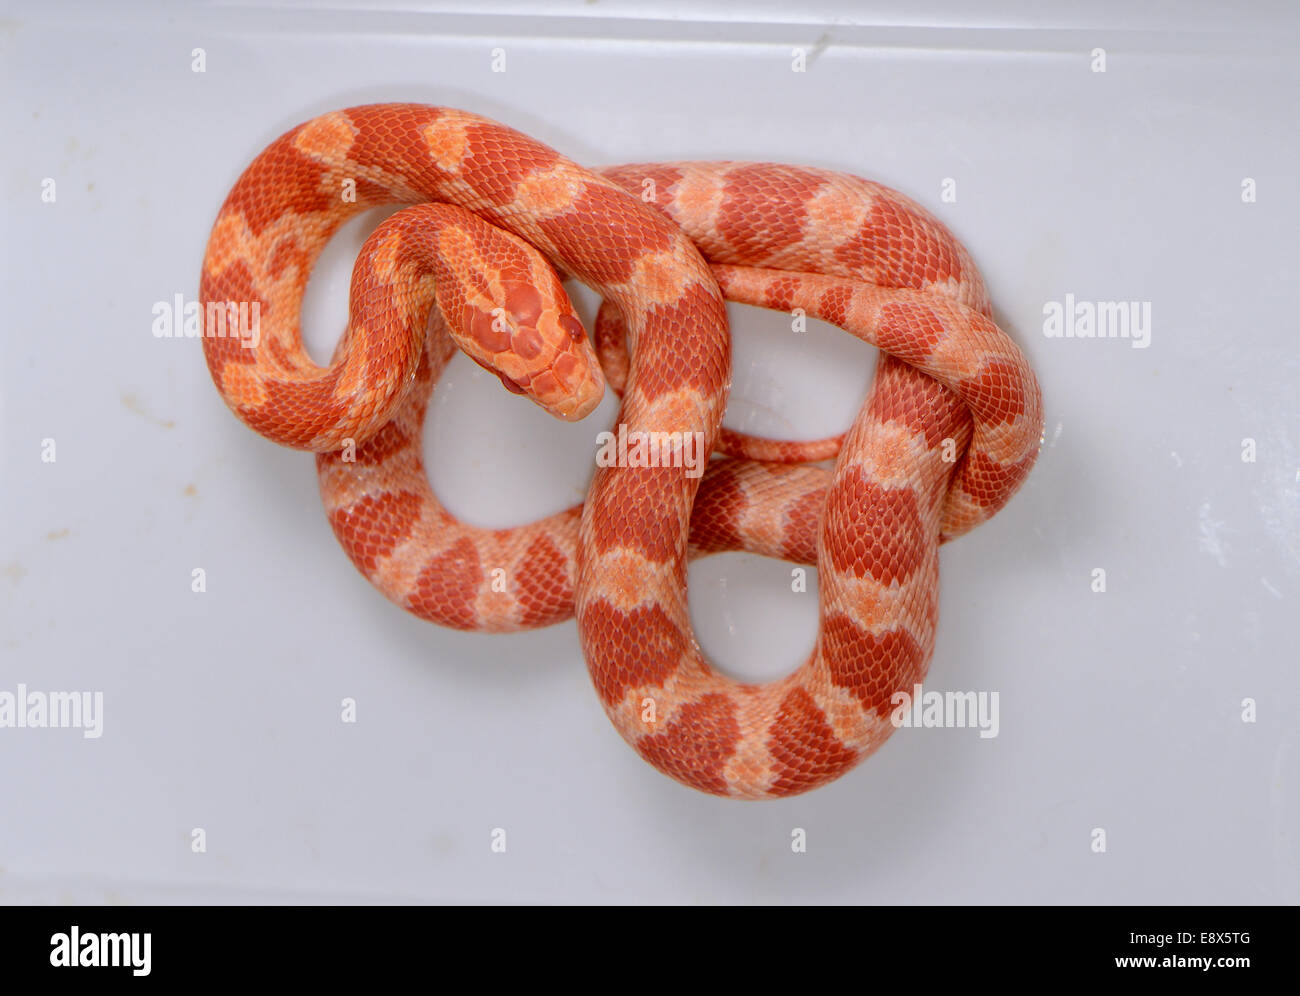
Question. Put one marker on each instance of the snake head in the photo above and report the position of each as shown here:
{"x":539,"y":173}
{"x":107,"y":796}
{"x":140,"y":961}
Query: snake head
{"x":512,"y":316}
{"x":535,"y":342}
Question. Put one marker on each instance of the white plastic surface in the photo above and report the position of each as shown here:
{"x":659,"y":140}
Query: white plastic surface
{"x":1120,"y":710}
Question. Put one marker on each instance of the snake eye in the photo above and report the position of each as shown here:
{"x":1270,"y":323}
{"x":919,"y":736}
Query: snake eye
{"x":574,"y":327}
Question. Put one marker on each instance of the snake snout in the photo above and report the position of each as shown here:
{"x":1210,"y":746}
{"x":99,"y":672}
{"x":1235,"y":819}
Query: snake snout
{"x":572,"y":383}
{"x":534,"y":341}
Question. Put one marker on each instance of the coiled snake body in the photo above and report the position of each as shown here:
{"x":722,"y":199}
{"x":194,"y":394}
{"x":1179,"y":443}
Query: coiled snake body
{"x":950,"y":429}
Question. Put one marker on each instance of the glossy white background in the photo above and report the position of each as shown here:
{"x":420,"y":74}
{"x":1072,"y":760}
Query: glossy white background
{"x":1119,"y":710}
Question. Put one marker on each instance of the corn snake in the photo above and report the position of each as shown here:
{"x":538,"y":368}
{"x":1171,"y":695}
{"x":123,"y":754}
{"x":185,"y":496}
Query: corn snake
{"x":494,"y":208}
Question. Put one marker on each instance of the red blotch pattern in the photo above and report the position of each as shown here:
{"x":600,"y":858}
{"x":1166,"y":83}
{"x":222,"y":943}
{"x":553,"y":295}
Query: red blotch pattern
{"x":447,"y":588}
{"x":895,"y":247}
{"x":880,"y":529}
{"x":872,"y":667}
{"x":695,"y":746}
{"x":632,"y":178}
{"x":996,"y":393}
{"x":909,"y":331}
{"x":234,"y":283}
{"x":805,"y":750}
{"x":545,"y":585}
{"x":679,"y":358}
{"x":601,"y":216}
{"x":764,"y":209}
{"x":641,"y":647}
{"x":781,"y":293}
{"x":370,"y":529}
{"x":715,"y":520}
{"x":281,"y":181}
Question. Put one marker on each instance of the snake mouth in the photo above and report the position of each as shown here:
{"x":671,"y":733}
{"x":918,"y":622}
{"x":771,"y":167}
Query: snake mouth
{"x":547,"y":390}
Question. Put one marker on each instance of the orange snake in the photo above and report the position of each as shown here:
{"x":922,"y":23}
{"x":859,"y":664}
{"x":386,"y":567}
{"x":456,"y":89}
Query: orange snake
{"x":949,"y":431}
